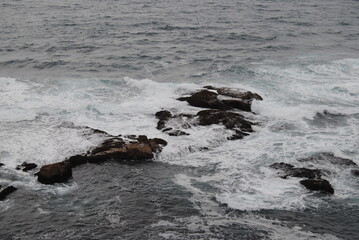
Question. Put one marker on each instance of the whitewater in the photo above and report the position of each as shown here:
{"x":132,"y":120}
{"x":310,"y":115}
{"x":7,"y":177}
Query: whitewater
{"x":112,"y":65}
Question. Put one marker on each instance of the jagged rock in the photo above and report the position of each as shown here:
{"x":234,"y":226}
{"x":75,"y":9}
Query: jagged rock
{"x":318,"y":185}
{"x":116,"y":148}
{"x":328,"y":157}
{"x":291,"y":171}
{"x":230,"y":120}
{"x":6,"y":191}
{"x":235,"y":93}
{"x":54,"y":173}
{"x":26,"y":166}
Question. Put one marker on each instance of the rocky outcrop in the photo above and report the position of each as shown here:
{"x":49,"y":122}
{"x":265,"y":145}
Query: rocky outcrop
{"x":128,"y":148}
{"x":54,"y":173}
{"x":329,"y":158}
{"x":6,"y":191}
{"x":321,"y":185}
{"x":235,"y":93}
{"x":231,"y":120}
{"x":222,"y":98}
{"x":313,"y":182}
{"x":290,"y":171}
{"x":26,"y":166}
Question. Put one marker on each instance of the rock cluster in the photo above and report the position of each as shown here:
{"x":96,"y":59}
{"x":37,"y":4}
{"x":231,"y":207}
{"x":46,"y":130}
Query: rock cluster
{"x":219,"y":101}
{"x":128,"y":148}
{"x":314,"y":179}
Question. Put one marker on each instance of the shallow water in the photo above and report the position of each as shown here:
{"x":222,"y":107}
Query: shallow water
{"x":112,"y":65}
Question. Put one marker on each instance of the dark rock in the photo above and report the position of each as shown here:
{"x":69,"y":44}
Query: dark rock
{"x":6,"y":192}
{"x":26,"y":166}
{"x":230,"y":120}
{"x":355,"y":172}
{"x":163,"y":115}
{"x":318,"y":185}
{"x":182,"y":99}
{"x":236,"y":93}
{"x":291,"y":171}
{"x":238,"y":135}
{"x":167,"y":129}
{"x":177,"y":133}
{"x":206,"y":99}
{"x":161,"y":124}
{"x":238,"y":104}
{"x":77,"y":160}
{"x":55,"y":173}
{"x":1,"y":164}
{"x":328,"y":157}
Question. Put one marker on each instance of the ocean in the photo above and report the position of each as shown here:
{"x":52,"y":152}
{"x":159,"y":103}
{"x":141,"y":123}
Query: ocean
{"x":112,"y":64}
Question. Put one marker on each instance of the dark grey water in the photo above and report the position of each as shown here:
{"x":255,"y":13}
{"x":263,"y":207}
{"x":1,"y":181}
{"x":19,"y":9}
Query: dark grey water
{"x":169,"y":40}
{"x":112,"y":64}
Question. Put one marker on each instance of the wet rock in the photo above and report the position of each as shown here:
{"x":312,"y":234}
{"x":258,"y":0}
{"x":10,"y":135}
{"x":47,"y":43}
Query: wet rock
{"x":207,"y":99}
{"x":235,"y":93}
{"x":330,"y":158}
{"x":77,"y":160}
{"x":321,"y":185}
{"x":291,"y":171}
{"x":1,"y":164}
{"x":139,"y":148}
{"x":26,"y":166}
{"x":163,"y":115}
{"x":6,"y":191}
{"x":177,"y":133}
{"x":355,"y":172}
{"x":230,"y":120}
{"x":54,"y":173}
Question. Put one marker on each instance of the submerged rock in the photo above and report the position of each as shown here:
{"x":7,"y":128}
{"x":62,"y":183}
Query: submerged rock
{"x":330,"y":158}
{"x":26,"y":166}
{"x":6,"y":191}
{"x":291,"y":171}
{"x":54,"y":173}
{"x":321,"y":185}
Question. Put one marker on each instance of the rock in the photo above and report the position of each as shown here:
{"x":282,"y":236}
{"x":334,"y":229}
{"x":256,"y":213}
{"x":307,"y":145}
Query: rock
{"x":328,"y":157}
{"x":236,"y":93}
{"x":141,"y":148}
{"x":26,"y":166}
{"x":163,"y":115}
{"x":177,"y":133}
{"x":318,"y":185}
{"x":291,"y":171}
{"x":1,"y":164}
{"x":355,"y":172}
{"x":209,"y":99}
{"x":6,"y":192}
{"x":230,"y":120}
{"x":206,"y":99}
{"x":54,"y":173}
{"x":77,"y":160}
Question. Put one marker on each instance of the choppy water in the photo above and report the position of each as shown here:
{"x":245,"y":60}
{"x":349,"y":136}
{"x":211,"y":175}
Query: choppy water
{"x":112,"y":64}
